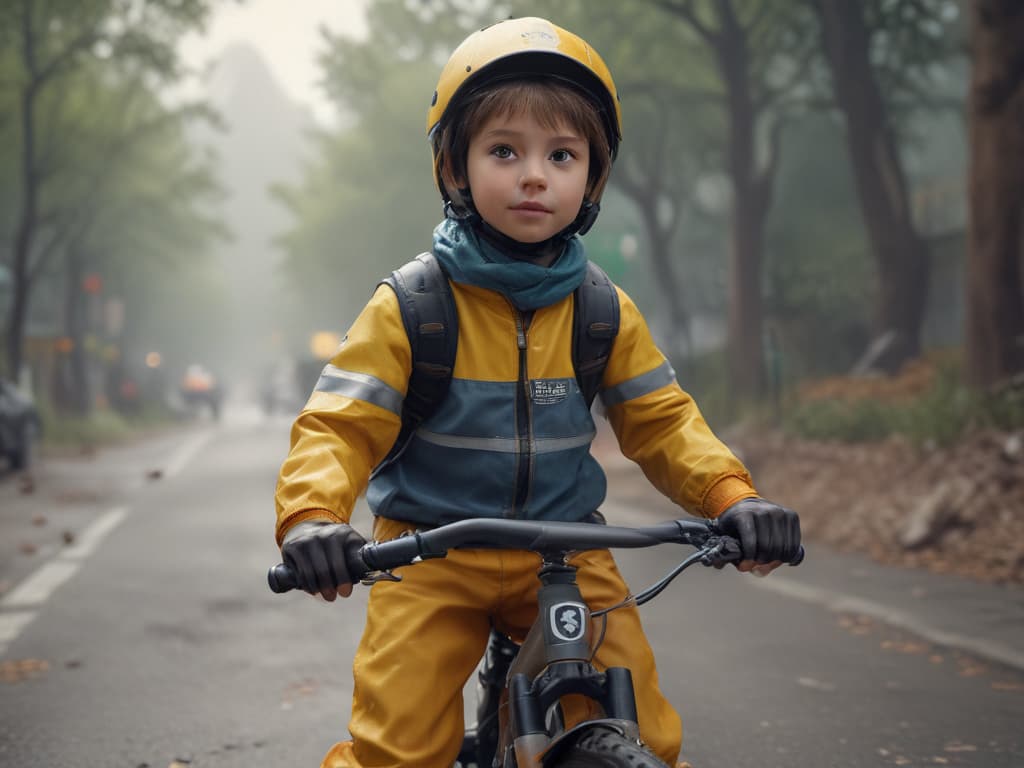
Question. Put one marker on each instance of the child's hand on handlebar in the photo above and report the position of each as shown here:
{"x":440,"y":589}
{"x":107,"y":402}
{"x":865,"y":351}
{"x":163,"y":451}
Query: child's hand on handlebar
{"x":769,"y":535}
{"x":316,"y":552}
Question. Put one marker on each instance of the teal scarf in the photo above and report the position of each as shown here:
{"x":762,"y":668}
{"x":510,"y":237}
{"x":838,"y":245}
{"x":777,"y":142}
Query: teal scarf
{"x":467,"y":258}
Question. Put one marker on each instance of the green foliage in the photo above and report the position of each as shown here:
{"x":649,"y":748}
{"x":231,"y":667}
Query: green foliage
{"x":367,"y":203}
{"x":939,"y":416}
{"x":100,"y":427}
{"x":111,"y":185}
{"x":818,"y":281}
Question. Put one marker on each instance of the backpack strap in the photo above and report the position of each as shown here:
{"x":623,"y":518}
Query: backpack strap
{"x":595,"y":324}
{"x":432,"y":325}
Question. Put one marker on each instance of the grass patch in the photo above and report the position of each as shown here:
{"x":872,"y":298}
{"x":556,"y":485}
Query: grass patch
{"x":102,"y":426}
{"x":927,"y":403}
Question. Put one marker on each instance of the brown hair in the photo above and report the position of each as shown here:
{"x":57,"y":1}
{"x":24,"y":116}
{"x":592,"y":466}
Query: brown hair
{"x":550,"y":103}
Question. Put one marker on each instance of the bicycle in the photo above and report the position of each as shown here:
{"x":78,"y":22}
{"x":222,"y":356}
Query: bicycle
{"x":518,"y":722}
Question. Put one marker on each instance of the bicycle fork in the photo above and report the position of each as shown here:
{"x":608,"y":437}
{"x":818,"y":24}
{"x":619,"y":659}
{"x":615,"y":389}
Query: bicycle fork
{"x":559,"y":665}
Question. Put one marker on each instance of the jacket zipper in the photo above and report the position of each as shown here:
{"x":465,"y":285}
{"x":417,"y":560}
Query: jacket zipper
{"x":524,"y":421}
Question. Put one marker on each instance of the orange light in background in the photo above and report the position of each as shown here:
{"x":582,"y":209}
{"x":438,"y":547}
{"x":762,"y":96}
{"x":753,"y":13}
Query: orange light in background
{"x":64,"y":345}
{"x":153,"y":360}
{"x":323,"y":344}
{"x":92,"y":283}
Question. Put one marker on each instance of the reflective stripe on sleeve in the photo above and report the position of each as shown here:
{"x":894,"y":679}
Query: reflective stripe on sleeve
{"x":639,"y":385}
{"x":359,"y":386}
{"x":505,"y":444}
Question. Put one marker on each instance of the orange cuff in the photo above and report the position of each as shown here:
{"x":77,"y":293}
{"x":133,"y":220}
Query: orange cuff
{"x":724,"y":493}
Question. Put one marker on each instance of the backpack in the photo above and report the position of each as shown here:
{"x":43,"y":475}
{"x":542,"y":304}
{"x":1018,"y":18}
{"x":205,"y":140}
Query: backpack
{"x":432,"y":324}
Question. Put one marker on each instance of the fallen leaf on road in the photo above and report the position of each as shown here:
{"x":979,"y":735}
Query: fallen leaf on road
{"x":857,"y":625}
{"x":971,"y":668}
{"x":39,"y":519}
{"x":940,"y":760}
{"x":27,"y":548}
{"x":22,"y":669}
{"x":5,"y":585}
{"x":27,"y":484}
{"x":154,"y":474}
{"x":905,"y":646}
{"x":68,"y":537}
{"x":959,"y":746}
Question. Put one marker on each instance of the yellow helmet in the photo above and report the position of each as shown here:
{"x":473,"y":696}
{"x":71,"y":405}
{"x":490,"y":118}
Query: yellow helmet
{"x":523,"y":47}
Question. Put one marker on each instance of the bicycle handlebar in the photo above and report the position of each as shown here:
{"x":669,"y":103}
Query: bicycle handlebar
{"x":536,"y":536}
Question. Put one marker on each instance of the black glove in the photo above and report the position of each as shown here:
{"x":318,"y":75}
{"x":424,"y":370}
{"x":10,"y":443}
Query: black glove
{"x":316,"y":551}
{"x":766,"y":531}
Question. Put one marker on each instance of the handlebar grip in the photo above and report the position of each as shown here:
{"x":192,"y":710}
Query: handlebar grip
{"x":281,"y":578}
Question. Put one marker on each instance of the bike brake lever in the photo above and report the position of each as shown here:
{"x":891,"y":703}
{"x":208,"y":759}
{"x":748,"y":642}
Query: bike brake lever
{"x":720,"y":551}
{"x":372,"y":578}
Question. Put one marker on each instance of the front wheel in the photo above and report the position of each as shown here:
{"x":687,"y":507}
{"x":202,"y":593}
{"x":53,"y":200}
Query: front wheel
{"x":605,"y":748}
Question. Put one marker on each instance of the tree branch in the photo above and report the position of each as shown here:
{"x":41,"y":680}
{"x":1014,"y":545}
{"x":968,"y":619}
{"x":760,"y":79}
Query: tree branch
{"x":685,"y":10}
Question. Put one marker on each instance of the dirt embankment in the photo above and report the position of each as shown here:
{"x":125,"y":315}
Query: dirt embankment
{"x":956,"y":510}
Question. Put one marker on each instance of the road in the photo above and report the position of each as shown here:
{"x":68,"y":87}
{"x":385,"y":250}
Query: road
{"x":136,"y":629}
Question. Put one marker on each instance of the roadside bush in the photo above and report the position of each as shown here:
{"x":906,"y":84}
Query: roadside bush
{"x":927,"y":403}
{"x":102,"y":426}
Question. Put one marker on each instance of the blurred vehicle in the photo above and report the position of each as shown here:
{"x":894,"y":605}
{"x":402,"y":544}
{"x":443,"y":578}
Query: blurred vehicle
{"x":20,"y":426}
{"x":199,"y":387}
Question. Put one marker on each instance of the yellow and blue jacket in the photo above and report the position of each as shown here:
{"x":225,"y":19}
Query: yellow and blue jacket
{"x":511,"y":439}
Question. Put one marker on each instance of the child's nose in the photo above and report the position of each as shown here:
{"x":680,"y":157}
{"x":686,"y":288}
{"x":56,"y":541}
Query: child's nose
{"x":533,"y":174}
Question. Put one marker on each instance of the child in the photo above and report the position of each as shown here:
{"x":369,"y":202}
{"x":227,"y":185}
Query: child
{"x":524,"y":127}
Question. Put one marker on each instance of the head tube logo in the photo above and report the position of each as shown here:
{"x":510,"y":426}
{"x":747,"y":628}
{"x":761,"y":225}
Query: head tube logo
{"x":568,"y":621}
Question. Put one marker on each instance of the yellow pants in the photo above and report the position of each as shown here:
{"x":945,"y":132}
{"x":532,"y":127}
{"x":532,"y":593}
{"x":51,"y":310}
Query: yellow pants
{"x":425,"y":635}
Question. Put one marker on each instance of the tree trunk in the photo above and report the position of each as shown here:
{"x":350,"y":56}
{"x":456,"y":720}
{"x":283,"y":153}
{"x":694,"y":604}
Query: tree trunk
{"x":750,"y":207}
{"x":76,"y":396}
{"x":900,"y":253}
{"x":23,"y":236}
{"x":995,"y":310}
{"x":668,"y":283}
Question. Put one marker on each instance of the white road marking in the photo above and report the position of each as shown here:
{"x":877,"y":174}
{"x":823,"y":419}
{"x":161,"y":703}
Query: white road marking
{"x":19,"y":606}
{"x":11,"y":625}
{"x":185,"y":453}
{"x":91,"y":537}
{"x":33,"y":591}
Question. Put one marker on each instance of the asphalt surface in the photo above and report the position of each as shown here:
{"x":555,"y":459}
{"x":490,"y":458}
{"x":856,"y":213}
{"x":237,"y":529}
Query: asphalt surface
{"x":136,"y":629}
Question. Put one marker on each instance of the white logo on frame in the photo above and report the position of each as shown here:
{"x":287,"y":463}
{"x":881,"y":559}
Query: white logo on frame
{"x":567,"y":621}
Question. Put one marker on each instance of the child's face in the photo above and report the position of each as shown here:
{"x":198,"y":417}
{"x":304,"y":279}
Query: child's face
{"x":527,"y":181}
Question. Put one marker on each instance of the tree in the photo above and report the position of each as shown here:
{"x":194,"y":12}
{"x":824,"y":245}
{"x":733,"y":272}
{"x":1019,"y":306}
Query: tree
{"x":760,"y":55}
{"x":139,"y":205}
{"x":995,"y":307}
{"x":671,"y":116}
{"x":866,"y":82}
{"x":47,"y":44}
{"x":367,"y":203}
